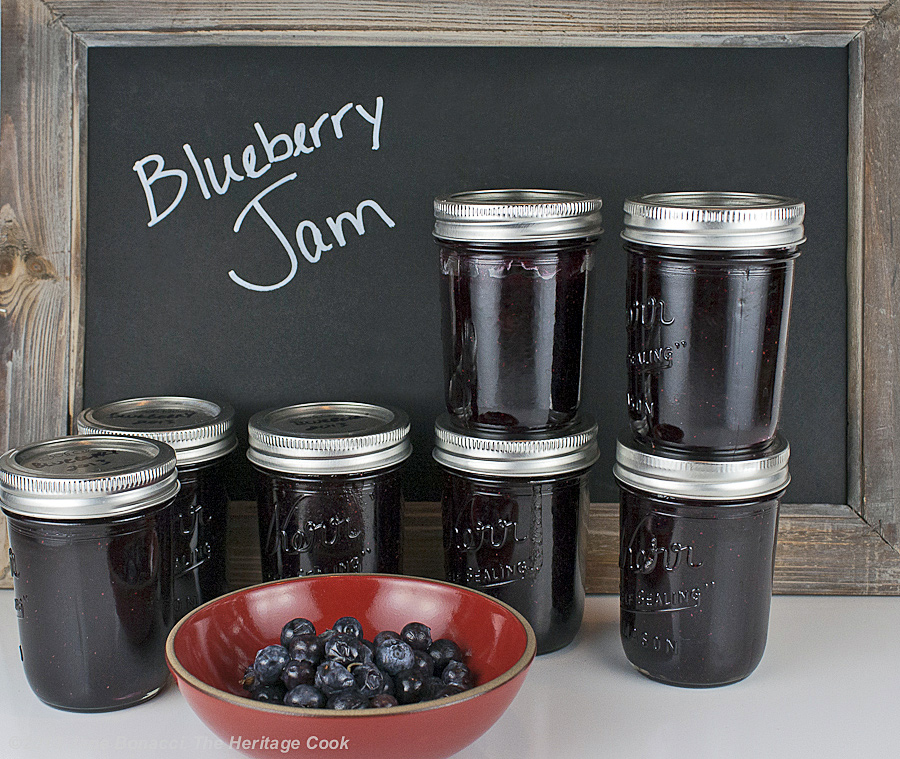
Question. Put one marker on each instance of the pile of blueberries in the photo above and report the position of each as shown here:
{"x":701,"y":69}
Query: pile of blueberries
{"x":339,"y":669}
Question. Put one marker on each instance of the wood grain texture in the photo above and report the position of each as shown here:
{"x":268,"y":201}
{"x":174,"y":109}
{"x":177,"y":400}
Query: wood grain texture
{"x":822,"y":549}
{"x":77,"y":304}
{"x":880,"y":476}
{"x":35,"y":226}
{"x":855,"y":193}
{"x":469,"y":22}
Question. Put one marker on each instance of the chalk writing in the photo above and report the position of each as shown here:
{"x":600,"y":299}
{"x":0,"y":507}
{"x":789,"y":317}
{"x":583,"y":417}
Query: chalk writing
{"x":304,"y":227}
{"x":165,"y":186}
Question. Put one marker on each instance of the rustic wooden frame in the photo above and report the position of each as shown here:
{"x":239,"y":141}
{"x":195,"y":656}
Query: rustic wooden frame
{"x":823,"y":548}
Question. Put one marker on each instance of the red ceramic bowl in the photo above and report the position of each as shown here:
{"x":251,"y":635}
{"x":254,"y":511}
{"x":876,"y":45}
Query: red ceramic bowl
{"x":209,"y":649}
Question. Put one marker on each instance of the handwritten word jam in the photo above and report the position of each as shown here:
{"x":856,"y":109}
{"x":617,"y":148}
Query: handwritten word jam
{"x":165,"y":185}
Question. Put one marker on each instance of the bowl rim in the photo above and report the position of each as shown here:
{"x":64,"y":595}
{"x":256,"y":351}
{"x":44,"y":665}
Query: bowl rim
{"x":181,"y":672}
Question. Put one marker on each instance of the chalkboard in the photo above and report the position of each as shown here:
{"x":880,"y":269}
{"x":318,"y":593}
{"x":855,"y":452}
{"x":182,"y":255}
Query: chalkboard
{"x":202,"y":287}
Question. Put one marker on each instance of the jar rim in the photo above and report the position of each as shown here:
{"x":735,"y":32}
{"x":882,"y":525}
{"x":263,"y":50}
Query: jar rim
{"x":329,"y":438}
{"x":711,"y":478}
{"x":517,"y":215}
{"x":714,"y":220}
{"x":197,"y":429}
{"x":568,"y":449}
{"x":85,"y":477}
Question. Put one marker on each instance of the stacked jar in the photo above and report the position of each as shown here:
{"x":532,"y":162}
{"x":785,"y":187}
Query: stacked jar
{"x":703,"y":468}
{"x":513,"y":445}
{"x":202,"y":434}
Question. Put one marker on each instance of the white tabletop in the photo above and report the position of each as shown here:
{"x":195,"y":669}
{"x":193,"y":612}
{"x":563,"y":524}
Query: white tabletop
{"x":828,"y":687}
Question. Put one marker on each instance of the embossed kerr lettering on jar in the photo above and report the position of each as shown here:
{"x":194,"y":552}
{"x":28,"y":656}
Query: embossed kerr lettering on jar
{"x":696,"y":554}
{"x":202,"y":434}
{"x":328,"y":488}
{"x":513,"y":520}
{"x":89,"y":524}
{"x":710,"y":278}
{"x":515,"y":266}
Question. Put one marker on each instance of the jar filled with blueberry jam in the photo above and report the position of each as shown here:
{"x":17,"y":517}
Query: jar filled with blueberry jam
{"x":515,"y":267}
{"x":514,"y":512}
{"x":89,"y":522}
{"x":710,"y":277}
{"x":202,"y":434}
{"x":696,"y":554}
{"x":328,"y":486}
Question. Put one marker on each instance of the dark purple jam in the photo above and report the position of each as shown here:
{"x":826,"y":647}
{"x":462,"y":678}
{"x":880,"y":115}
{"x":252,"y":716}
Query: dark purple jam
{"x":520,"y":540}
{"x":513,"y":325}
{"x":322,"y":524}
{"x":94,"y":606}
{"x":696,"y":585}
{"x":201,"y":433}
{"x":198,"y":536}
{"x":707,"y":339}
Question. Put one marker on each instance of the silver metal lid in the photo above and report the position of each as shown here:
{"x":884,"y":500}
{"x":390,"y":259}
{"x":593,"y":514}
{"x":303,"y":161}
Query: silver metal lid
{"x":534,"y":455}
{"x":728,"y":479}
{"x":714,"y":220}
{"x":516,"y":216}
{"x":198,"y":430}
{"x":329,"y":438}
{"x":87,"y":477}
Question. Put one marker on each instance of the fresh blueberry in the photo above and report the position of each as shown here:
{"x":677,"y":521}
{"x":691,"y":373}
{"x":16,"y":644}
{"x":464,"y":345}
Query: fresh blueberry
{"x":269,"y":694}
{"x":340,"y":669}
{"x":394,"y":656}
{"x":369,"y":679}
{"x":325,"y":635}
{"x":308,"y":648}
{"x":269,"y":664}
{"x":306,"y":696}
{"x":444,"y":651}
{"x":370,"y":647}
{"x":384,"y":636}
{"x":248,"y":681}
{"x":332,"y":677}
{"x":298,"y":673}
{"x":449,"y":690}
{"x":298,"y":626}
{"x":423,"y":663}
{"x":388,"y":684}
{"x":409,"y":686}
{"x":349,"y":626}
{"x":431,"y":687}
{"x":348,"y":699}
{"x":346,"y":650}
{"x":457,"y":673}
{"x":417,"y":635}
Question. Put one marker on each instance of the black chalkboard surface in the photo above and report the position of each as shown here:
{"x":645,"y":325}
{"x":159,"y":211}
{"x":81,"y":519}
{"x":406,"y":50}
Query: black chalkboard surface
{"x":259,"y":219}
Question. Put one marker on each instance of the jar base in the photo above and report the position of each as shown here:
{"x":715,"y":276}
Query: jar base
{"x":678,"y":684}
{"x":723,"y":450}
{"x":107,"y":708}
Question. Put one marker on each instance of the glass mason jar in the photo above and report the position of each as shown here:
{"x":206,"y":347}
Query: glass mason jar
{"x":696,"y":555}
{"x":514,"y":266}
{"x":513,"y":515}
{"x":329,"y":496}
{"x":202,"y":434}
{"x":89,"y":526}
{"x":710,"y":279}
